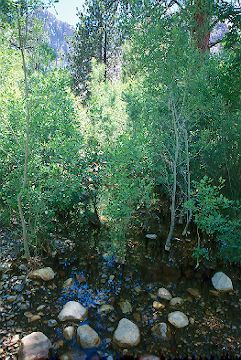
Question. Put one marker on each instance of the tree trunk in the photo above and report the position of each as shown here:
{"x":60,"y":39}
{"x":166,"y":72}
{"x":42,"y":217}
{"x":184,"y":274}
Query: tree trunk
{"x":174,"y":184}
{"x":189,"y":212}
{"x":26,"y":142}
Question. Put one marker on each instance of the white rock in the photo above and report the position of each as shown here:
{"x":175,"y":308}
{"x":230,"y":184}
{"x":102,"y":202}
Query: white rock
{"x":164,"y":294}
{"x":73,"y":310}
{"x":44,"y":274}
{"x":87,"y":337}
{"x":127,"y":334}
{"x":176,"y":301}
{"x":222,"y":282}
{"x":68,"y":333}
{"x":34,"y":346}
{"x":178,"y":319}
{"x":151,"y":236}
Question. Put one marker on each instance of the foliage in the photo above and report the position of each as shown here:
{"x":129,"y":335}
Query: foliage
{"x":217,"y":216}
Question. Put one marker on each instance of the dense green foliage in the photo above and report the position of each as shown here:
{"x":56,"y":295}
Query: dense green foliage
{"x":163,"y":129}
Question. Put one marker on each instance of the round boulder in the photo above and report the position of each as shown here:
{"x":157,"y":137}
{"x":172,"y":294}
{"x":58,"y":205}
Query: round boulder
{"x":73,"y":310}
{"x":127,"y":334}
{"x":34,"y":346}
{"x":222,"y":282}
{"x":178,"y":319}
{"x":87,"y":337}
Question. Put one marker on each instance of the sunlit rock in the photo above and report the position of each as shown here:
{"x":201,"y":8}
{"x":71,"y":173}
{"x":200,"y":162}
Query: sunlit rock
{"x":35,"y":346}
{"x":68,"y":333}
{"x":222,"y":282}
{"x":178,"y":319}
{"x":87,"y":337}
{"x":44,"y":274}
{"x":126,"y":307}
{"x":127,"y":334}
{"x":176,"y":301}
{"x":73,"y":311}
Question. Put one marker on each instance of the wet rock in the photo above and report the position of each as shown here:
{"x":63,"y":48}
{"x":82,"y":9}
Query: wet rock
{"x":194,"y":293}
{"x":34,"y":346}
{"x":126,"y":307}
{"x":68,"y":283}
{"x":45,"y":274}
{"x":178,"y":319}
{"x":106,"y":309}
{"x":87,"y":337}
{"x":52,"y":323}
{"x":73,"y":310}
{"x":127,"y":334}
{"x":176,"y":301}
{"x":160,"y":330}
{"x":158,"y":306}
{"x":164,"y":294}
{"x":68,"y":333}
{"x":222,"y":282}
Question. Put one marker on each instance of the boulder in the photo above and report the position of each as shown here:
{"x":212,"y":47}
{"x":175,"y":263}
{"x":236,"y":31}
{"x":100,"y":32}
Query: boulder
{"x":222,"y":282}
{"x":44,"y":274}
{"x":68,"y":333}
{"x":194,"y":293}
{"x":73,"y":310}
{"x":68,"y":283}
{"x":34,"y":346}
{"x":149,"y":357}
{"x":127,"y":334}
{"x":158,"y":306}
{"x":164,"y":294}
{"x":176,"y":301}
{"x":178,"y":319}
{"x":87,"y":337}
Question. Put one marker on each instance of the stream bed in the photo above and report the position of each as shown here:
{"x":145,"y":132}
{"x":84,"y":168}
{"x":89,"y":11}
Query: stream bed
{"x":130,"y":289}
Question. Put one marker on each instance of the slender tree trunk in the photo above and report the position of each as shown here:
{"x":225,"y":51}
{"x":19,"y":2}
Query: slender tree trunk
{"x":189,"y":212}
{"x":174,"y":184}
{"x":201,"y":19}
{"x":26,"y":143}
{"x":105,"y":52}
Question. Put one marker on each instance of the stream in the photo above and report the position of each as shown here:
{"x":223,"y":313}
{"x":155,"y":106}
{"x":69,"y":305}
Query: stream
{"x":130,"y":289}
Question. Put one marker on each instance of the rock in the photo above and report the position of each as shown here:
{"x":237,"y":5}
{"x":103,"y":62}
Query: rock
{"x":106,"y":309}
{"x":194,"y":293}
{"x":44,"y":274}
{"x":127,"y":334}
{"x":161,"y":330}
{"x":52,"y":323}
{"x":176,"y":301}
{"x":73,"y":310}
{"x":68,"y":333}
{"x":34,"y":346}
{"x":34,"y":318}
{"x":164,"y":294}
{"x":68,"y":283}
{"x":87,"y":337}
{"x":158,"y":306}
{"x":11,"y":298}
{"x":149,"y":357}
{"x":151,"y":236}
{"x":178,"y":319}
{"x":126,"y":307}
{"x":222,"y":282}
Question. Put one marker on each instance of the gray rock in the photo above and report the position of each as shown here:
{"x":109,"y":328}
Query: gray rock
{"x":161,"y":330}
{"x":164,"y":294}
{"x":222,"y":282}
{"x":151,"y":236}
{"x":176,"y":301}
{"x":73,"y":311}
{"x":126,"y":307}
{"x":87,"y":337}
{"x":34,"y":346}
{"x":127,"y":334}
{"x":106,"y":309}
{"x":178,"y":319}
{"x":44,"y":274}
